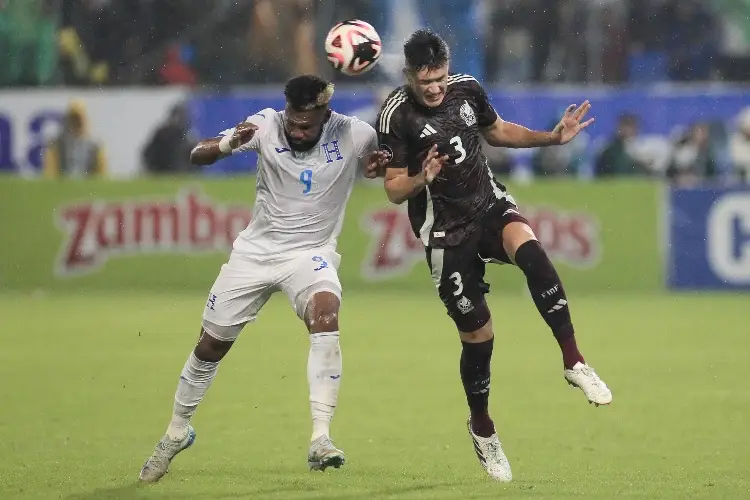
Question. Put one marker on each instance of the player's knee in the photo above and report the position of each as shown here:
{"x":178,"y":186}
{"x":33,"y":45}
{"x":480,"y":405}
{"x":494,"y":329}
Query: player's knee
{"x":210,"y":348}
{"x":324,"y":321}
{"x":477,"y":336}
{"x":481,"y":334}
{"x":515,"y":235}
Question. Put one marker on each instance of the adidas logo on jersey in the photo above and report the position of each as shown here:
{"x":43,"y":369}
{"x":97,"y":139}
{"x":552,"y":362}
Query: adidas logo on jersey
{"x":427,"y":131}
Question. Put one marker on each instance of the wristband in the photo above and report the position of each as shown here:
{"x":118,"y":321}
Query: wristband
{"x":224,"y":145}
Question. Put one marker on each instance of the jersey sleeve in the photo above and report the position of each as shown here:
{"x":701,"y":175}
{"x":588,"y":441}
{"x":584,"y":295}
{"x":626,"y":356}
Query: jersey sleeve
{"x":486,"y":114}
{"x":392,"y":136}
{"x":262,"y":120}
{"x":365,"y":138}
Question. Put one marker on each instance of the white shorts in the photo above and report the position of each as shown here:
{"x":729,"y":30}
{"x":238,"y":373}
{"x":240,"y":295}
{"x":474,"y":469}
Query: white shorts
{"x":245,"y":284}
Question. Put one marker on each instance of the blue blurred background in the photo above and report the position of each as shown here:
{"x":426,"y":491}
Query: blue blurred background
{"x":123,"y":89}
{"x":667,"y":78}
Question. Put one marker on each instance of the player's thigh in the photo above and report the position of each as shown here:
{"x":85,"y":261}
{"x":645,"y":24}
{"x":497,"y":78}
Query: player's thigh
{"x":458,"y":274}
{"x":503,"y":232}
{"x":313,"y":272}
{"x":241,"y":289}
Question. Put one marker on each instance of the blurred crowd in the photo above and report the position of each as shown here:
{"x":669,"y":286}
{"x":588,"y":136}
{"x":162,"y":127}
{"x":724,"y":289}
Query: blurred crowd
{"x":211,"y":43}
{"x":215,"y":42}
{"x":700,"y":153}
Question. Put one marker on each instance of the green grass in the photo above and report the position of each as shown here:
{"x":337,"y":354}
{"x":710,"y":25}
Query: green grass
{"x":87,"y":384}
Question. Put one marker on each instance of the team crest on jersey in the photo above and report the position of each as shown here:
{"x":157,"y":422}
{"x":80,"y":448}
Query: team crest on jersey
{"x":468,"y":114}
{"x":388,"y":151}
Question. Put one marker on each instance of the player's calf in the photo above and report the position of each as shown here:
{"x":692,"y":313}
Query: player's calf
{"x":196,"y":377}
{"x":549,"y":296}
{"x":476,"y":355}
{"x":324,"y":363}
{"x":550,"y":299}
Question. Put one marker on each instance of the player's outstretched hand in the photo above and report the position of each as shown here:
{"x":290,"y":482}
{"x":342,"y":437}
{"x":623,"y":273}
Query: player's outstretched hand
{"x":432,"y":164}
{"x":242,"y":134}
{"x":570,"y":125}
{"x":376,"y":163}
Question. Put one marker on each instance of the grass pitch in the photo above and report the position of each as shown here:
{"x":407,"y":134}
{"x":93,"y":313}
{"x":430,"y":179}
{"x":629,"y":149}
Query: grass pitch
{"x":88,"y":381}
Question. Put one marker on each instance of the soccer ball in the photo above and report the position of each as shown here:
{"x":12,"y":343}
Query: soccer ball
{"x":353,"y":47}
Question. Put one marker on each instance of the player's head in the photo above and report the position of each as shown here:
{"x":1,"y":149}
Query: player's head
{"x":427,"y":57}
{"x":307,"y":99}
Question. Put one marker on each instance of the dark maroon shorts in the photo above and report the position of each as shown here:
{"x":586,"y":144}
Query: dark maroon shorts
{"x":458,"y":271}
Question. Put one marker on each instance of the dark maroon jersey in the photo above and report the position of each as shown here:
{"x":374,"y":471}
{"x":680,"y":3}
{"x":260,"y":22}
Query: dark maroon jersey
{"x":452,"y":206}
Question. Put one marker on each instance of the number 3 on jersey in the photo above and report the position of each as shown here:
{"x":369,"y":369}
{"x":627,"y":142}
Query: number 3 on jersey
{"x":306,"y":179}
{"x":456,"y":142}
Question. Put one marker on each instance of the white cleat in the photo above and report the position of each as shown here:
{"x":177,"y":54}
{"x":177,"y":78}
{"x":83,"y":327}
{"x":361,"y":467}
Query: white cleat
{"x":158,"y":463}
{"x":324,"y":454}
{"x":491,"y":456}
{"x":585,"y":378}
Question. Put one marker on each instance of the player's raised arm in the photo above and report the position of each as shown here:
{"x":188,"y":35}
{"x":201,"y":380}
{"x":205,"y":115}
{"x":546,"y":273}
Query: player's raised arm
{"x":400,"y":186}
{"x":511,"y":135}
{"x":209,"y":151}
{"x":244,"y":137}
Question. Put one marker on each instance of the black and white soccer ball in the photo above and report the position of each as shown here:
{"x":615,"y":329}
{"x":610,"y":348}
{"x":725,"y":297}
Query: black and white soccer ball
{"x":353,"y":47}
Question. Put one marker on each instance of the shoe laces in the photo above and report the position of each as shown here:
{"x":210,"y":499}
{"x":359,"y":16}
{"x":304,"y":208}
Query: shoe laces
{"x":587,"y":370}
{"x":493,"y":448}
{"x":323,"y":443}
{"x":166,"y":446}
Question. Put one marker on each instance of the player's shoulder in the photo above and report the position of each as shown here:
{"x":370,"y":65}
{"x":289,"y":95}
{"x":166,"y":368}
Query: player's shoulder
{"x":393,"y":106}
{"x":461,"y":78}
{"x":341,"y":122}
{"x":464,"y":82}
{"x":264,"y":117}
{"x":359,"y":132}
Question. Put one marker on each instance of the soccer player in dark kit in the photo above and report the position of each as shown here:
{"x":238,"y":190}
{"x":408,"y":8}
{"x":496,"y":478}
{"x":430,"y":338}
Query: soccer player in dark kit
{"x":431,"y":128}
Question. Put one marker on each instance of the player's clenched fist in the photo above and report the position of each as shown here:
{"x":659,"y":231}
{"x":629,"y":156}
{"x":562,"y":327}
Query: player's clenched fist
{"x":242,"y":134}
{"x":432,"y":164}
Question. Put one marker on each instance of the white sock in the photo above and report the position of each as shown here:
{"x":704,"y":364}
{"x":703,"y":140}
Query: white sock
{"x":195,"y":380}
{"x":324,"y":377}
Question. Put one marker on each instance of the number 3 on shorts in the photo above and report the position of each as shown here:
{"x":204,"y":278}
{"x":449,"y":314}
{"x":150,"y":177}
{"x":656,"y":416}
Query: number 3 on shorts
{"x":456,"y":277}
{"x":321,"y":263}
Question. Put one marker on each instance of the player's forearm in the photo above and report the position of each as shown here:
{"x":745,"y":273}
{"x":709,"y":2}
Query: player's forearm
{"x":403,"y":187}
{"x":512,"y":135}
{"x":207,"y":152}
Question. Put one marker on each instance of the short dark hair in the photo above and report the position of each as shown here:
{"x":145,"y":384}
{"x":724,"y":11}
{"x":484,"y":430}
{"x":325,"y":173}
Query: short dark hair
{"x":425,"y":49}
{"x":307,"y":92}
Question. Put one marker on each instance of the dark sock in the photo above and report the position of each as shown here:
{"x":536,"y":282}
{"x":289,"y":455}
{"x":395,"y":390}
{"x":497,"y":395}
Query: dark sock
{"x":475,"y":375}
{"x":549,"y":297}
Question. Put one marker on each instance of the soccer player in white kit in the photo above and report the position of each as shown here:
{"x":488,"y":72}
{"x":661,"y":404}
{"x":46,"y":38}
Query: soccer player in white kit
{"x":308,"y":160}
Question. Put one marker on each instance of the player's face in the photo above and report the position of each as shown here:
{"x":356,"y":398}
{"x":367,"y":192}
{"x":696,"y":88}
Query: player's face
{"x":429,"y":85}
{"x":303,"y":128}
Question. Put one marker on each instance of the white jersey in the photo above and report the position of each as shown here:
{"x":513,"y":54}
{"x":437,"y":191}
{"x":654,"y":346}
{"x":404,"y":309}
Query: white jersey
{"x":301,"y":196}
